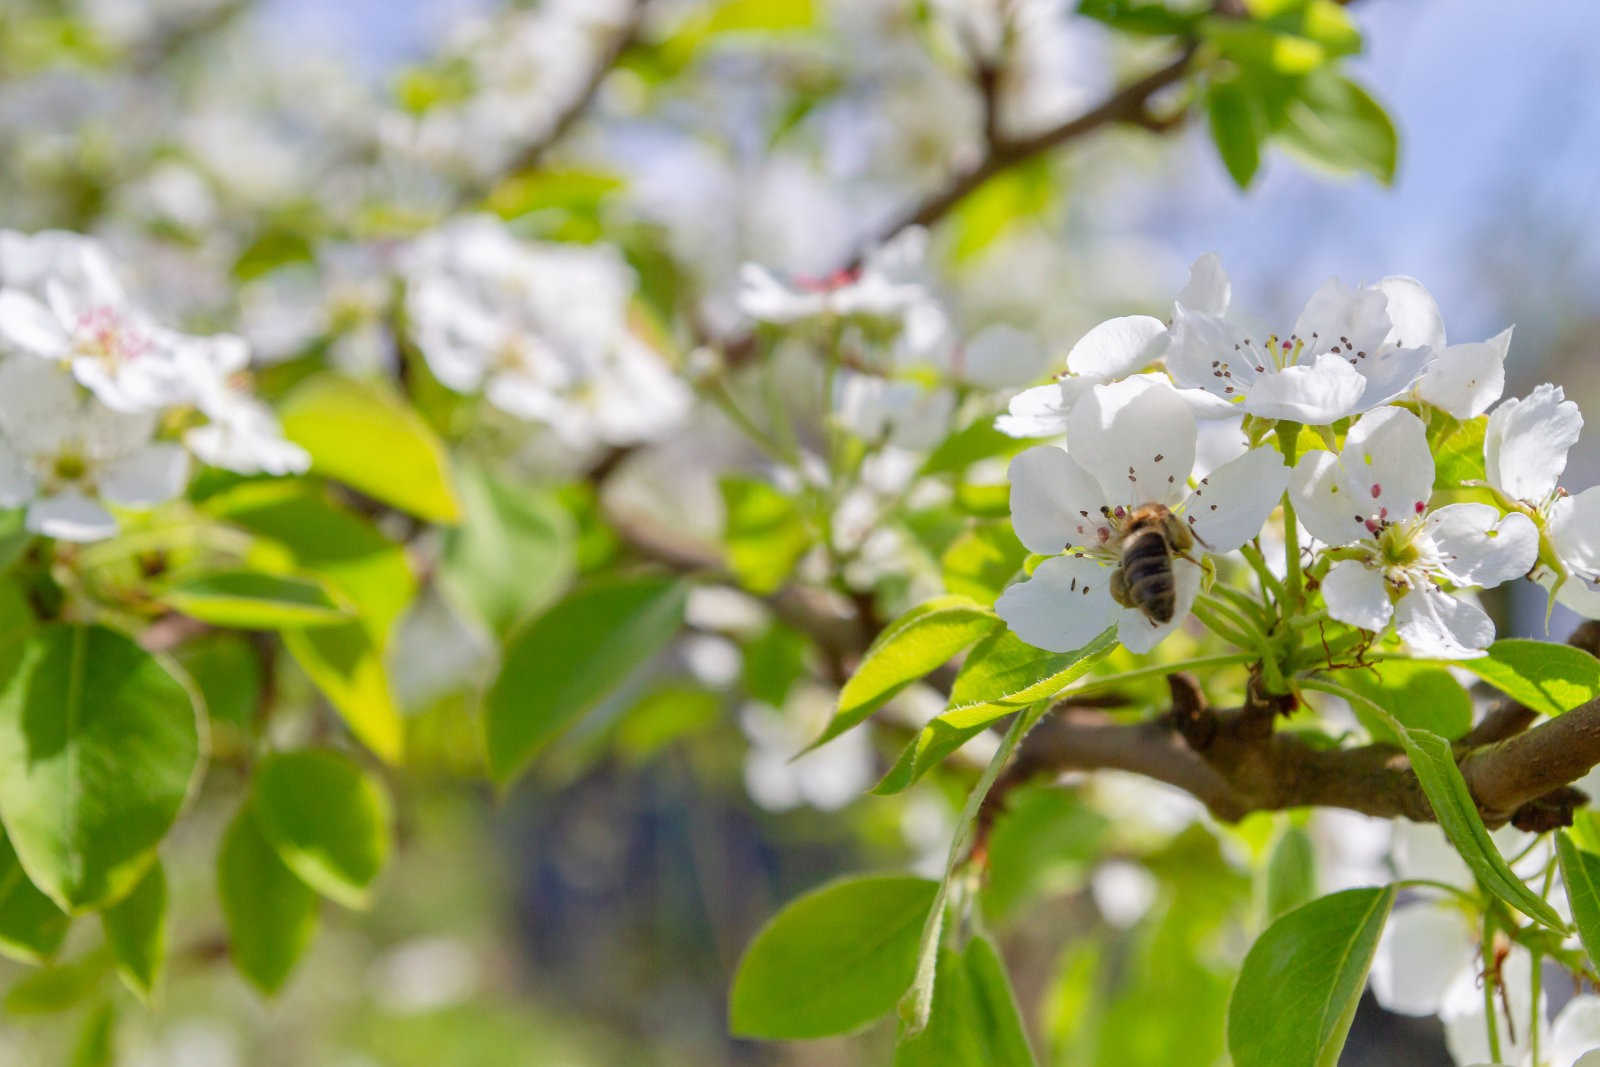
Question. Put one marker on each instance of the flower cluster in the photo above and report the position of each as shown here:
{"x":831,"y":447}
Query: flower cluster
{"x":1366,"y":400}
{"x":91,"y":385}
{"x":542,"y":330}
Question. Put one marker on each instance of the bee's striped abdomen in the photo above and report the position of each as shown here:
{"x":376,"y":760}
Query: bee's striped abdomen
{"x":1147,"y":574}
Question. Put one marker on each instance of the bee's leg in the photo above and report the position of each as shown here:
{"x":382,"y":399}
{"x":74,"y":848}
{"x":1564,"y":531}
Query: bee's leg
{"x":1181,"y":536}
{"x":1119,"y":589}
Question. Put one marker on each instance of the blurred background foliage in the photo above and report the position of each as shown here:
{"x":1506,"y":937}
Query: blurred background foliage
{"x":252,"y":161}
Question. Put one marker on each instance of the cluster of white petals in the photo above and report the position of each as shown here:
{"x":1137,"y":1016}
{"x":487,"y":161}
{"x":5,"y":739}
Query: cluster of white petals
{"x":1369,"y":372}
{"x":906,"y":397}
{"x":541,"y":330}
{"x":87,"y":382}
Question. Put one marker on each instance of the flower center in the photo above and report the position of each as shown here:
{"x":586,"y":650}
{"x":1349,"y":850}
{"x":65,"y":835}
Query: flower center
{"x":102,"y":333}
{"x":69,"y":466}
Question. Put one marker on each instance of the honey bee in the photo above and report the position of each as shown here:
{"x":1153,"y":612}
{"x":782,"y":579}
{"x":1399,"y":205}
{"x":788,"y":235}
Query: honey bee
{"x":1151,"y":537}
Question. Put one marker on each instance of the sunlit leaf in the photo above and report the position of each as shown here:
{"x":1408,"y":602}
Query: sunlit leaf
{"x":561,"y":664}
{"x":975,"y":1021}
{"x":831,"y":961}
{"x":1580,"y":874}
{"x":251,"y":600}
{"x":98,"y":746}
{"x":368,"y":437}
{"x":1291,"y":872}
{"x":31,"y":925}
{"x":136,"y":930}
{"x":1542,"y":675}
{"x":328,"y":820}
{"x":1301,"y":981}
{"x":765,"y":533}
{"x":923,"y":639}
{"x":271,"y":914}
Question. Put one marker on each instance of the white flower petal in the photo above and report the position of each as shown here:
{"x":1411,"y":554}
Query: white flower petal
{"x":1421,"y":850}
{"x":1423,"y":947}
{"x":999,"y":356}
{"x":1436,"y":625}
{"x":1391,"y":372}
{"x":151,"y":475}
{"x":1037,"y":412}
{"x":1137,"y":438}
{"x":1387,"y":464}
{"x":70,"y":516}
{"x":29,"y":327}
{"x":1325,"y":505}
{"x":1139,"y":633}
{"x":1231,"y":504}
{"x":1414,"y":319}
{"x":1115,"y":348}
{"x":1317,"y":393}
{"x":1526,"y":442}
{"x":1205,"y":351}
{"x":1576,"y":1030}
{"x":1355,"y":594}
{"x":1055,"y":503}
{"x":1208,"y":289}
{"x":16,"y":480}
{"x":1480,"y":546}
{"x":1062,"y":606}
{"x":1337,"y":316}
{"x":1465,"y":379}
{"x":1575,"y":532}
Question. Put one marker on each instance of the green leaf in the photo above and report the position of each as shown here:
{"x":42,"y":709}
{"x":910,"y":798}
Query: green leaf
{"x":1458,"y":452}
{"x":975,"y":1021}
{"x":984,"y":501}
{"x":1259,"y":47}
{"x":1011,"y":668}
{"x":359,"y":564}
{"x":1435,"y":767}
{"x":1003,"y":669}
{"x":672,"y":712}
{"x":98,"y":746}
{"x":1301,"y":981}
{"x":1146,"y":18}
{"x":252,"y":600}
{"x":832,"y":960}
{"x":1333,"y":122}
{"x":1542,"y":675}
{"x":368,"y":437}
{"x":227,"y":670}
{"x":922,"y":640}
{"x":271,"y":914}
{"x":980,"y":562}
{"x":916,"y":1005}
{"x":1580,"y":874}
{"x":1237,"y":128}
{"x":59,"y":987}
{"x":1291,"y":872}
{"x":1041,"y":844}
{"x":765,"y":533}
{"x":978,"y":440}
{"x":513,"y":554}
{"x":1012,"y":197}
{"x":312,"y":534}
{"x":543,"y":189}
{"x":1419,"y":694}
{"x":136,"y":930}
{"x":561,"y":664}
{"x":773,"y":661}
{"x":328,"y":819}
{"x":31,"y":926}
{"x":96,"y":1043}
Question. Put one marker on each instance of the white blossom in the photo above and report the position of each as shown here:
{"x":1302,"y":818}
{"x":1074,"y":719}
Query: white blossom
{"x":1130,"y":444}
{"x":541,"y":330}
{"x":1372,"y":497}
{"x":1525,"y":446}
{"x":890,"y":282}
{"x":65,"y":455}
{"x":1342,"y":356}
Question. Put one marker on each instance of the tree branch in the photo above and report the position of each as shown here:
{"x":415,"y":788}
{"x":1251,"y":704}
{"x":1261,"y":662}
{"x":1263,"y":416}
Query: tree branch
{"x":572,"y":110}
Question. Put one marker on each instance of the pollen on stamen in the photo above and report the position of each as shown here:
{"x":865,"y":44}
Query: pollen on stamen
{"x":1420,"y":507}
{"x":1377,"y":490}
